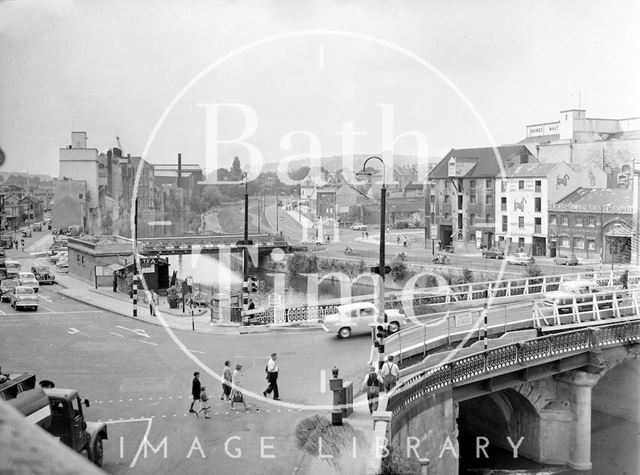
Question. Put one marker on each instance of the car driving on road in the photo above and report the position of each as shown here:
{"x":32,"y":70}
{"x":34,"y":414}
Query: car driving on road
{"x":584,"y":291}
{"x":359,"y":227}
{"x":43,"y":274}
{"x":27,"y":279}
{"x":520,"y":259}
{"x":356,"y":318}
{"x":6,"y":287}
{"x":24,"y":297}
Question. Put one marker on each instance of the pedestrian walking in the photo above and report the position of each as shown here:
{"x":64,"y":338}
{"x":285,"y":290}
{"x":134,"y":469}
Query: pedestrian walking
{"x":195,"y":390}
{"x":226,"y":382}
{"x":624,"y":279}
{"x":366,"y":234}
{"x":204,"y":403}
{"x":362,"y":234}
{"x":372,"y":383}
{"x":390,"y":373}
{"x":22,"y":244}
{"x":398,"y":240}
{"x":153,"y":301}
{"x":236,"y":395}
{"x":272,"y":377}
{"x":404,"y":241}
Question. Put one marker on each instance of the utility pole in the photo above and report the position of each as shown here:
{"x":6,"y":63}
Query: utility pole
{"x":135,"y":259}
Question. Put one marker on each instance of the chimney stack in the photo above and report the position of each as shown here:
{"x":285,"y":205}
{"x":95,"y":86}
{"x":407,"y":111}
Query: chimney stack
{"x":179,"y":184}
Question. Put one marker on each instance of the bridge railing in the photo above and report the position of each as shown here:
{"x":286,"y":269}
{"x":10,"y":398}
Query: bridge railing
{"x":519,"y":354}
{"x":438,"y":332}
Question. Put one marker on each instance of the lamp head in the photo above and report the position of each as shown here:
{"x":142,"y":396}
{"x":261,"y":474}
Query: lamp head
{"x":363,"y":174}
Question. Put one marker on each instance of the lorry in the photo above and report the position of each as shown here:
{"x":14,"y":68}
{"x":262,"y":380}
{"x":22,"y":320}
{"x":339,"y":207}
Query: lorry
{"x":58,"y":411}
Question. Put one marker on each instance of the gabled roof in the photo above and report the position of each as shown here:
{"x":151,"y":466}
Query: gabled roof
{"x":606,"y":197}
{"x":484,"y":160}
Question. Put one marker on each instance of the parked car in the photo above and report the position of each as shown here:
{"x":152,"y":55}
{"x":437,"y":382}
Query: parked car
{"x":520,"y":259}
{"x":24,"y":297}
{"x":27,"y":279}
{"x":6,"y":287}
{"x":37,"y":227}
{"x":13,"y":268}
{"x":27,"y":232}
{"x":493,"y":253}
{"x":583,"y":291}
{"x":356,"y":318}
{"x":63,"y":264}
{"x":359,"y":227}
{"x":60,"y":255}
{"x":566,"y":261}
{"x":43,"y":274}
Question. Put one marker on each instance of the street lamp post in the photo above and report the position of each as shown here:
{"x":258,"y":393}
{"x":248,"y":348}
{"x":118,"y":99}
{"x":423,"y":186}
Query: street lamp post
{"x":245,"y":253}
{"x":381,"y":252}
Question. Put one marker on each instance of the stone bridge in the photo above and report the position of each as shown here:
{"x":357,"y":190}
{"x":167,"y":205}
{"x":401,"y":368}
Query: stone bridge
{"x":531,"y":393}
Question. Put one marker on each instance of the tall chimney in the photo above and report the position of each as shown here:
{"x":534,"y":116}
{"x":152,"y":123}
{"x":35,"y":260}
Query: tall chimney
{"x":179,"y":184}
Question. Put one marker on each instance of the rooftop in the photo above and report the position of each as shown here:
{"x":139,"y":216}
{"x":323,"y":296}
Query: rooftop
{"x":483,"y":161}
{"x":530,"y":170}
{"x":605,"y":197}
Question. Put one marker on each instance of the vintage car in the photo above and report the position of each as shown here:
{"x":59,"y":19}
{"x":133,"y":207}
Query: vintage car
{"x":13,"y":268}
{"x":6,"y":287}
{"x":493,"y":253}
{"x":520,"y":259}
{"x":583,"y":291}
{"x":357,"y":318}
{"x":24,"y":297}
{"x":43,"y":274}
{"x":566,"y":261}
{"x":359,"y":227}
{"x":27,"y":279}
{"x":59,"y":255}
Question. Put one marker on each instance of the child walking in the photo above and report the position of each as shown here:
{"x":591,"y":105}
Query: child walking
{"x":204,"y":401}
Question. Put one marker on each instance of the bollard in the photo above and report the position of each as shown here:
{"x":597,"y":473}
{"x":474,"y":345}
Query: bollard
{"x":335,"y":385}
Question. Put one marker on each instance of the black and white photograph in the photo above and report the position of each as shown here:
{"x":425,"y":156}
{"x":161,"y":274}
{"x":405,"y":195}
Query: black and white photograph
{"x":356,"y":237}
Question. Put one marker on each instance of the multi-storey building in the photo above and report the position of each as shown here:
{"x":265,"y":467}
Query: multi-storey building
{"x":594,"y":224}
{"x":462,"y":194}
{"x":523,"y":193}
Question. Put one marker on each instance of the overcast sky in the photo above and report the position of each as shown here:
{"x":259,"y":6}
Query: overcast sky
{"x":112,"y":68}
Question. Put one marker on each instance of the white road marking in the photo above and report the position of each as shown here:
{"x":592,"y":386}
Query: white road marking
{"x":117,"y":334}
{"x":46,"y":314}
{"x":147,"y":342}
{"x":137,"y":331}
{"x":45,"y":297}
{"x":196,"y":351}
{"x":72,"y":331}
{"x":50,"y":310}
{"x":142,"y":443}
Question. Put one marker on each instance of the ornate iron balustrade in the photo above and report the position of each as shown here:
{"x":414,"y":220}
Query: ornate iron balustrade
{"x":517,"y":354}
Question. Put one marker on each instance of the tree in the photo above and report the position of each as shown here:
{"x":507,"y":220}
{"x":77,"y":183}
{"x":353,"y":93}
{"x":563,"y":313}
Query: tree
{"x":301,"y":263}
{"x":236,"y":169}
{"x":398,"y":270}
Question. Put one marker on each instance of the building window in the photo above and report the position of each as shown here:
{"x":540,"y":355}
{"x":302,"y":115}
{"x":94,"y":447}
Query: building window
{"x":538,"y":205}
{"x":472,"y":237}
{"x":553,"y":219}
{"x":577,"y":221}
{"x":521,"y":221}
{"x":563,"y":241}
{"x":591,"y":221}
{"x":521,"y":184}
{"x":488,"y":218}
{"x":460,"y":201}
{"x":472,"y":220}
{"x":503,"y":204}
{"x":77,"y":258}
{"x":488,"y":200}
{"x":521,"y":243}
{"x":564,"y":220}
{"x":538,"y":186}
{"x":446,"y":199}
{"x":472,"y":199}
{"x":446,"y":184}
{"x":503,"y":186}
{"x":446,"y":216}
{"x":504,"y":224}
{"x":472,"y":184}
{"x":578,"y":243}
{"x":591,"y":245}
{"x":488,"y":183}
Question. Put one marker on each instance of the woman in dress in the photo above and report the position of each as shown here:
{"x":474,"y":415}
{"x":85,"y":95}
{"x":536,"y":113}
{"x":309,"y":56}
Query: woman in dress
{"x":236,"y":394}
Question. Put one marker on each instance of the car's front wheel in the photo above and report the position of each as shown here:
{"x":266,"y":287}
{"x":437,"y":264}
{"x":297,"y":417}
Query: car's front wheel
{"x":345,"y":332}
